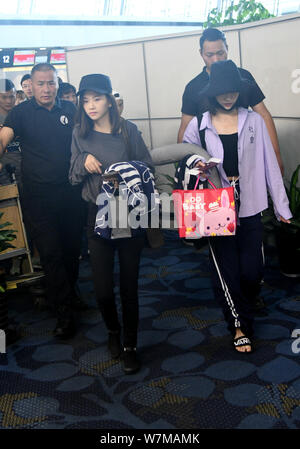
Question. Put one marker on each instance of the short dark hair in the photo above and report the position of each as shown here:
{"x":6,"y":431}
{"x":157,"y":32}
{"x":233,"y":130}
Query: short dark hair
{"x":25,"y":78}
{"x":212,"y":34}
{"x":85,"y":124}
{"x":20,"y":94}
{"x":43,"y":67}
{"x":65,"y":88}
{"x":6,"y":85}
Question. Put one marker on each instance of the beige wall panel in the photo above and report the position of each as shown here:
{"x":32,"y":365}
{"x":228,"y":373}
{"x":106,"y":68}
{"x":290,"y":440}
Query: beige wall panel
{"x":124,"y":64}
{"x":232,"y":38}
{"x":171,"y":64}
{"x":164,"y":132}
{"x":289,"y":139}
{"x":272,"y":54}
{"x":144,"y":127}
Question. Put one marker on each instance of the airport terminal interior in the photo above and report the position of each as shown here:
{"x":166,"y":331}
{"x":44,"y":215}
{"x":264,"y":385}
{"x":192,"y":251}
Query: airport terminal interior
{"x":191,"y":376}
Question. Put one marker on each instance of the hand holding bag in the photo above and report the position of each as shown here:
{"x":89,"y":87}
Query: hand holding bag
{"x":205,"y":212}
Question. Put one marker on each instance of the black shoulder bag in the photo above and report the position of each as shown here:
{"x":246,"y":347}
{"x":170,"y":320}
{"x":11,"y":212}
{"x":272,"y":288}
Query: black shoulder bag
{"x":202,"y":132}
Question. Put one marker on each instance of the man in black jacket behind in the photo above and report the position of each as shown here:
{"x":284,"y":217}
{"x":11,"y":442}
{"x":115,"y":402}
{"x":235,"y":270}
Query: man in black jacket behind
{"x":213,"y":48}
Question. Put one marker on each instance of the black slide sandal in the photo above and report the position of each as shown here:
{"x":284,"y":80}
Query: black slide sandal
{"x":242,"y":341}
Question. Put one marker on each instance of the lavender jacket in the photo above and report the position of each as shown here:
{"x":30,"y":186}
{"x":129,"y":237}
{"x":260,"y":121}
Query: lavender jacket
{"x":258,"y":167}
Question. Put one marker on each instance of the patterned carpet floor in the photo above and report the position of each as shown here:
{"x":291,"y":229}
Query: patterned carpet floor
{"x":191,"y":377}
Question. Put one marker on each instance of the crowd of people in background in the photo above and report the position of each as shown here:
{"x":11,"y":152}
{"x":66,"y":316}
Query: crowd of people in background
{"x":62,"y":141}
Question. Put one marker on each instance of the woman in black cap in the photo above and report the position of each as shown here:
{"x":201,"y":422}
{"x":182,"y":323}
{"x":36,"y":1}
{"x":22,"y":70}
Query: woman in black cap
{"x":97,"y":144}
{"x":239,"y":138}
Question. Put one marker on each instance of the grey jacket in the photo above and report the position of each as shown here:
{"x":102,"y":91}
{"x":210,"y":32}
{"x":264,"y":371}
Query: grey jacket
{"x":108,"y":149}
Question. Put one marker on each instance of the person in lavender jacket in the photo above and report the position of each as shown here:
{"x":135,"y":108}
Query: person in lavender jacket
{"x":239,"y":138}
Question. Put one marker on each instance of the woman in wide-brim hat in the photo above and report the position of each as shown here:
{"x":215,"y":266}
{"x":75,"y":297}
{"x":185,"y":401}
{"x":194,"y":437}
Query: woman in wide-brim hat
{"x":225,"y":77}
{"x":239,"y":138}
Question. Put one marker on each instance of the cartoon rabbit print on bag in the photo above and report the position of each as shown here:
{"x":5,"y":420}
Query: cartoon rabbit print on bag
{"x":220,"y":220}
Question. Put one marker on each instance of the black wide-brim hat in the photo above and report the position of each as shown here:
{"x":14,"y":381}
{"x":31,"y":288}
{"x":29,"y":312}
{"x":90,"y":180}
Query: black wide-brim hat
{"x":224,"y":78}
{"x":96,"y":82}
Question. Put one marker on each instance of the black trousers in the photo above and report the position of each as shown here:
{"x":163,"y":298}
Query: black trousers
{"x":55,"y":217}
{"x":102,"y":257}
{"x":237,"y":271}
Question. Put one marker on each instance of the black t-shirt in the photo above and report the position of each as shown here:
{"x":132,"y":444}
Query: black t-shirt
{"x":14,"y":145}
{"x":190,"y":98}
{"x":231,"y":160}
{"x":45,"y":137}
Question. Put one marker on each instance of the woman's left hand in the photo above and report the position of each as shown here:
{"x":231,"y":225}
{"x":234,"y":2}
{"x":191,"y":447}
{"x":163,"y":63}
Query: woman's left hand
{"x":284,"y":220}
{"x":201,"y":165}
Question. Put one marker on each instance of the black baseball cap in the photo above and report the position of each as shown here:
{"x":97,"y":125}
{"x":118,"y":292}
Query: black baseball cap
{"x":96,"y":82}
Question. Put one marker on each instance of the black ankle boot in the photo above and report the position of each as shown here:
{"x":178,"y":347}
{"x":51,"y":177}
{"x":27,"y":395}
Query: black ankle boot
{"x":114,"y":344}
{"x":131,"y":363}
{"x":65,"y":326}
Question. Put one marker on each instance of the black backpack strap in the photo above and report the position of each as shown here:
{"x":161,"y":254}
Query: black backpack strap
{"x":199,"y":119}
{"x":202,"y":139}
{"x":202,"y":132}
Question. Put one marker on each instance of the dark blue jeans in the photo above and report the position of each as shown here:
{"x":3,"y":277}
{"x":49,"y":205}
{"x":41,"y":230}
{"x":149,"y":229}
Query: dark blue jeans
{"x":102,"y":257}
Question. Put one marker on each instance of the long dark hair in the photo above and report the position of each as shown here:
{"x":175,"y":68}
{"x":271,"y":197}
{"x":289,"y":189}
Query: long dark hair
{"x":85,"y":124}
